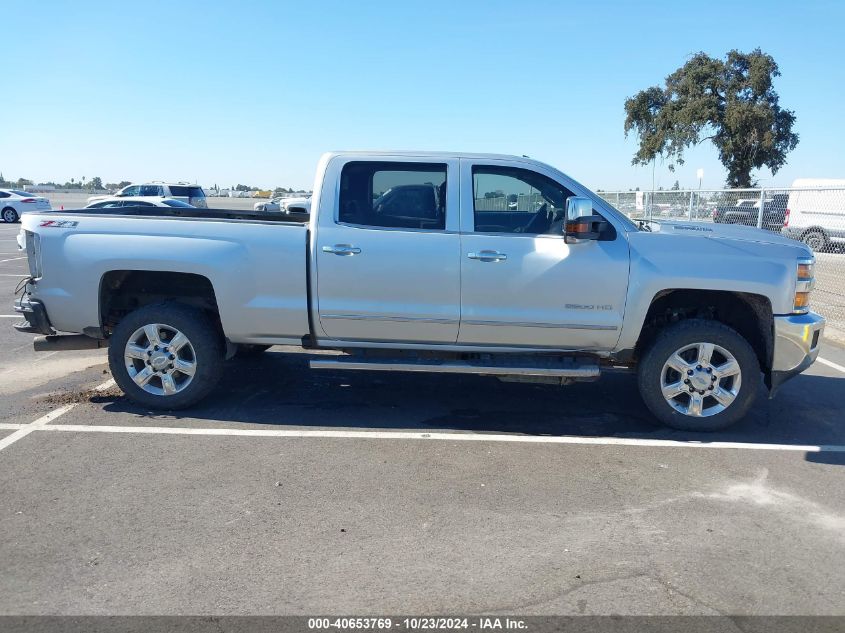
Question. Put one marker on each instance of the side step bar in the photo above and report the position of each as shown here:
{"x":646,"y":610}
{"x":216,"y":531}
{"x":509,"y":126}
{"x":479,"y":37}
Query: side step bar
{"x":65,"y":342}
{"x":576,"y":368}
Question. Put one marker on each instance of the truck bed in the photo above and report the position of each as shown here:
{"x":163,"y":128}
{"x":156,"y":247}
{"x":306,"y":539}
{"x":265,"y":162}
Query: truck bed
{"x":255,"y":263}
{"x":182,"y":212}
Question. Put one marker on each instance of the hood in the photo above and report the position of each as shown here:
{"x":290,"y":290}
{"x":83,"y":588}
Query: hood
{"x":735,"y":232}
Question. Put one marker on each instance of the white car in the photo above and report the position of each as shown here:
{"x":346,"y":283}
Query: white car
{"x":151,"y":191}
{"x":114,"y":203}
{"x":14,"y":203}
{"x":285,"y":205}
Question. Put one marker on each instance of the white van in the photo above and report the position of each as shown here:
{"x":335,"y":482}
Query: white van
{"x":815,"y":214}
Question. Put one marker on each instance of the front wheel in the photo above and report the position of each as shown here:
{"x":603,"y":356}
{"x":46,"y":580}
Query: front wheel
{"x":699,"y":375}
{"x":166,"y":356}
{"x":10,"y":216}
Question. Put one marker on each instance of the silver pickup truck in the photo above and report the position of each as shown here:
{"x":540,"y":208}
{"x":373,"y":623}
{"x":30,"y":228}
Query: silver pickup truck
{"x":429,"y":262}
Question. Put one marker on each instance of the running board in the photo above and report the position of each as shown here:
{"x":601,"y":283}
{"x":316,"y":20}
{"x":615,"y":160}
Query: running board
{"x":575,"y":368}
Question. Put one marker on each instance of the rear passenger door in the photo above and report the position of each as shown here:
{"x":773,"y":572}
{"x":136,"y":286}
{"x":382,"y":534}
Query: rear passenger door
{"x":387,"y":259}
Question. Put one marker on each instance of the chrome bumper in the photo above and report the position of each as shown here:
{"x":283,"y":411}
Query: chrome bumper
{"x":796,"y":347}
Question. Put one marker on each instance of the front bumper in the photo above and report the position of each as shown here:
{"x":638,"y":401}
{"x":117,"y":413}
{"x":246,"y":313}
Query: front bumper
{"x":797,"y":338}
{"x":33,"y":311}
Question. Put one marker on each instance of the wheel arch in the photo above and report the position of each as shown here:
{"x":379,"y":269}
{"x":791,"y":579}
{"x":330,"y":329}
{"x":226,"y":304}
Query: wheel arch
{"x":122,"y":291}
{"x":747,"y":313}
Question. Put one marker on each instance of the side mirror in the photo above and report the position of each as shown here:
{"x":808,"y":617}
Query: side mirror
{"x":581,"y":223}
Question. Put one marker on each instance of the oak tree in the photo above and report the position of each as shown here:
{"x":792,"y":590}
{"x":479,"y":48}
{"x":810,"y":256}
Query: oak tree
{"x":731,"y":103}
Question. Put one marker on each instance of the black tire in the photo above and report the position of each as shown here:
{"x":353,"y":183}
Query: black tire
{"x":817,"y":240}
{"x":689,"y":332}
{"x":206,"y":345}
{"x":248,"y":350}
{"x":10,"y":215}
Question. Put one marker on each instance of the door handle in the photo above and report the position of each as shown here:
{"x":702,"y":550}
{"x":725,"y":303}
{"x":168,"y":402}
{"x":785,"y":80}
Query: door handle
{"x":488,"y":256}
{"x":342,"y":249}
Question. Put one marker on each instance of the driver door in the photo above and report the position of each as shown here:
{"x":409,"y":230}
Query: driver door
{"x":522,"y":285}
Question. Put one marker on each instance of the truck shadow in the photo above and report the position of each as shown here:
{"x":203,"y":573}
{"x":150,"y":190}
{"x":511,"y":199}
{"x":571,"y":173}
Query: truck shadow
{"x":280,"y":390}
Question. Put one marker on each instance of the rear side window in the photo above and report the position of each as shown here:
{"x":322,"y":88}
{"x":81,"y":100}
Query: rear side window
{"x":105,"y":204}
{"x":152,"y":190}
{"x":177,"y":203}
{"x":183,"y":191}
{"x":394,"y":195}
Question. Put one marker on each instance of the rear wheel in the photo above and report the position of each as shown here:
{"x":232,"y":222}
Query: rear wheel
{"x":816,"y":239}
{"x":10,"y":215}
{"x":699,"y":375}
{"x":166,"y":356}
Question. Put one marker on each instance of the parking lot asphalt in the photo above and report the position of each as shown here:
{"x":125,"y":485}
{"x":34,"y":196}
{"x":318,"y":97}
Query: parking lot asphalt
{"x":291,"y":491}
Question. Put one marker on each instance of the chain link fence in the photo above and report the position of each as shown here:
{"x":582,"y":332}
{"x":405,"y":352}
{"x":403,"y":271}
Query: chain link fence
{"x":815,"y":216}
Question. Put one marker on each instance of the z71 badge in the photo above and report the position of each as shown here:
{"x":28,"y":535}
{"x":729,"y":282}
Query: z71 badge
{"x":59,"y":224}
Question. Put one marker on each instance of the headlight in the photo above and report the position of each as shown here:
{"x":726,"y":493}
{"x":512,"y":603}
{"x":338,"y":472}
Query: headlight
{"x":33,"y":254}
{"x":804,"y":281}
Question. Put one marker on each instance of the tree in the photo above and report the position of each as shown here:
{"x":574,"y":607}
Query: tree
{"x":23,"y":182}
{"x":731,"y":103}
{"x":95,"y":184}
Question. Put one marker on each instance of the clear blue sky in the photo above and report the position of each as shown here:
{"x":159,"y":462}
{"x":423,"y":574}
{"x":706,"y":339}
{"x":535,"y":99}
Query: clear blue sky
{"x":253,"y":92}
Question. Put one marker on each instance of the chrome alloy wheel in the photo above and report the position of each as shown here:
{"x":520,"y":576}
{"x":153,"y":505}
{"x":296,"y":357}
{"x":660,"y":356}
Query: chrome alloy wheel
{"x":160,"y":359}
{"x":700,"y":380}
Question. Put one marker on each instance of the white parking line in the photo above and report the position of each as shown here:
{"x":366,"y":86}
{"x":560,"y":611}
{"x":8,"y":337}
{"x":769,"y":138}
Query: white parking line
{"x":44,"y":420}
{"x":39,"y":423}
{"x":3,"y":261}
{"x":448,"y":437}
{"x":830,"y":364}
{"x":11,"y":316}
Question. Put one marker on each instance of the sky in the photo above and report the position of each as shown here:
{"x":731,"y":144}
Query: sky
{"x":254,"y":92}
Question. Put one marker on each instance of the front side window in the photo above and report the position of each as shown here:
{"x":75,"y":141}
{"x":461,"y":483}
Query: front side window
{"x":394,"y":195}
{"x":512,"y":200}
{"x":134,"y":190}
